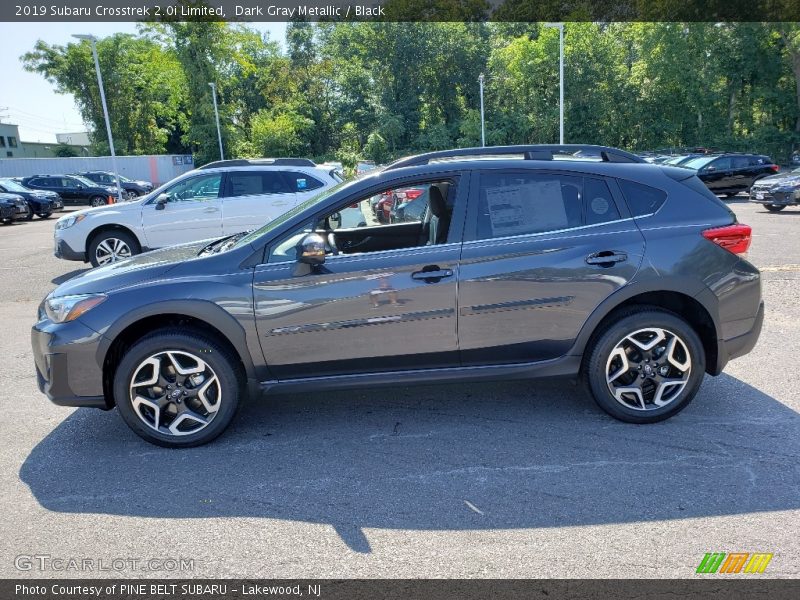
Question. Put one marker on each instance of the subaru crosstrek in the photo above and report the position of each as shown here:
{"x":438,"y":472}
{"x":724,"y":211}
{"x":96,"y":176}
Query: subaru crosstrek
{"x":627,"y":275}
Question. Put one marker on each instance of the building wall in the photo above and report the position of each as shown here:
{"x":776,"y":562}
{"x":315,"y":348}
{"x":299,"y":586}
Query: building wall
{"x":156,"y":168}
{"x":77,"y":138}
{"x":12,"y":147}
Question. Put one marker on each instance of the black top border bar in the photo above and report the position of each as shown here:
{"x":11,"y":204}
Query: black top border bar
{"x":399,"y":10}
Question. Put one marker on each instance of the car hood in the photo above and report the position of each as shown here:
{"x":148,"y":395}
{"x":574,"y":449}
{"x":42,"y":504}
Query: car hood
{"x":105,"y":209}
{"x":142,"y":267}
{"x":781,"y":179}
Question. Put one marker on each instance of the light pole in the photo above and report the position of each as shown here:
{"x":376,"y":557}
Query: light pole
{"x":483,"y":126}
{"x":560,"y":27}
{"x":216,"y":115}
{"x":93,"y":41}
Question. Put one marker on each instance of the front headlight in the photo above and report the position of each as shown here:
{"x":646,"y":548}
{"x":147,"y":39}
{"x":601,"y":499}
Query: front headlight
{"x":69,"y":221}
{"x":68,"y":308}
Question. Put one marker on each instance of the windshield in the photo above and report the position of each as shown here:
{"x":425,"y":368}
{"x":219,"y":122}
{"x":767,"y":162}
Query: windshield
{"x":13,"y":186}
{"x":278,"y":221}
{"x":699,"y":162}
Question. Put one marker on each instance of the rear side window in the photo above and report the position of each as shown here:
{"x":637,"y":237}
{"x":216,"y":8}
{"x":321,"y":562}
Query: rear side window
{"x":526,"y":203}
{"x":302,"y":182}
{"x":643,"y":199}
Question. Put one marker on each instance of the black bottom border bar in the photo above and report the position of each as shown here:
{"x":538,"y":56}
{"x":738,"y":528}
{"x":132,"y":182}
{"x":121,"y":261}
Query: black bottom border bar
{"x":705,"y":587}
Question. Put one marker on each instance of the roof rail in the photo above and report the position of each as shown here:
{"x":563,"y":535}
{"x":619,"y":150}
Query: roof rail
{"x":529,"y":152}
{"x":256,"y":162}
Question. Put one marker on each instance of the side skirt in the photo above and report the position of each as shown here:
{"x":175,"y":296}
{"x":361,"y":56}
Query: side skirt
{"x":565,"y":366}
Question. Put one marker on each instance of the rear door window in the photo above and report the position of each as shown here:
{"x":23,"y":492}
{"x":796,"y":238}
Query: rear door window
{"x":302,"y":182}
{"x":255,"y":183}
{"x":511,"y":204}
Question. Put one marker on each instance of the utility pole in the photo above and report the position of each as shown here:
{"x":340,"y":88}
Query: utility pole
{"x":483,"y":126}
{"x":216,"y":115}
{"x":560,"y":27}
{"x":93,"y":41}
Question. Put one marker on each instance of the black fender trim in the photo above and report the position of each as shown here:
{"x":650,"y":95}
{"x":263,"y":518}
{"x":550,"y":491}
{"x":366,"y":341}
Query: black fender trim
{"x":680,"y":285}
{"x":202,"y":310}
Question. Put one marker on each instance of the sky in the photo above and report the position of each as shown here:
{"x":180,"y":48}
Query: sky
{"x":28,"y":100}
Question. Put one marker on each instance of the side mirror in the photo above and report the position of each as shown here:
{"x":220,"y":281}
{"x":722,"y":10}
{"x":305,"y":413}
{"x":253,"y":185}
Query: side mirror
{"x":161,"y":201}
{"x":710,"y":168}
{"x":311,"y":250}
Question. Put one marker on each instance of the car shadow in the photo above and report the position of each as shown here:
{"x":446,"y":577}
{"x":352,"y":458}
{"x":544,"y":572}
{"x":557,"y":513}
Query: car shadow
{"x":67,"y":276}
{"x":457,"y":457}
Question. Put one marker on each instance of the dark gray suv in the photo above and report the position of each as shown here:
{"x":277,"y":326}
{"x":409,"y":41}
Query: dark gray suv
{"x":528,"y":261}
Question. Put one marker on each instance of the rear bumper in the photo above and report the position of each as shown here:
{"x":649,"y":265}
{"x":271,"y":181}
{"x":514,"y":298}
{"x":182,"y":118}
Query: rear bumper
{"x":741,"y":344}
{"x":65,"y":358}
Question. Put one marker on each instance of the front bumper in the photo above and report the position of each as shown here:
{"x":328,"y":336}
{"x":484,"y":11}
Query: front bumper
{"x":63,"y":250}
{"x":67,"y":369}
{"x":22,"y":213}
{"x":772,"y":197}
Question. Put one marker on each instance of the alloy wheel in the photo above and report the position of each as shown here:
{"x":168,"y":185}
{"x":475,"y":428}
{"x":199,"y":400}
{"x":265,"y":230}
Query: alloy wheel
{"x":175,"y":393}
{"x":111,"y":250}
{"x":648,"y":369}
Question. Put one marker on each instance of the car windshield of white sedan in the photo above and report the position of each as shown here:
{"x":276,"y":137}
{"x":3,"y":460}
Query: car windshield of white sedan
{"x":278,"y":221}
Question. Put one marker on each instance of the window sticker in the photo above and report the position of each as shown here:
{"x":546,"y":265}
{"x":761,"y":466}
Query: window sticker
{"x":520,"y":209}
{"x":599,"y":206}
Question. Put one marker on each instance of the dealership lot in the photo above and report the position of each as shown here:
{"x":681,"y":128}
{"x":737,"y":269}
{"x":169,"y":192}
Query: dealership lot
{"x":493,"y":480}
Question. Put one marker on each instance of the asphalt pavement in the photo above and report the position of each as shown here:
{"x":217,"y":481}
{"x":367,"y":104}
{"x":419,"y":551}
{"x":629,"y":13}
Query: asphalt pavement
{"x":518,"y":479}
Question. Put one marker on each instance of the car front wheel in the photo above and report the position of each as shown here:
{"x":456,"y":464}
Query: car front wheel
{"x":775,"y":207}
{"x":177,"y":389}
{"x":110,"y":246}
{"x":646,"y":366}
{"x":45,"y":215}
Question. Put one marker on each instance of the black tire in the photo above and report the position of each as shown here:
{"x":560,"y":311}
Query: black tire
{"x":98,"y":201}
{"x":731,"y":194}
{"x":219,"y":359}
{"x":774,"y":207}
{"x":30,"y":216}
{"x":112,"y":234}
{"x":624,"y":324}
{"x":44,"y":215}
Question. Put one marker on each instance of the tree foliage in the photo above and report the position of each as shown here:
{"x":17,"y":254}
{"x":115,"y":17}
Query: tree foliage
{"x":380,"y":90}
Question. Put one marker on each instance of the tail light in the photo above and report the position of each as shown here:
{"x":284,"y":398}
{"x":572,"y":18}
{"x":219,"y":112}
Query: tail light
{"x":775,"y":168}
{"x":734,"y":238}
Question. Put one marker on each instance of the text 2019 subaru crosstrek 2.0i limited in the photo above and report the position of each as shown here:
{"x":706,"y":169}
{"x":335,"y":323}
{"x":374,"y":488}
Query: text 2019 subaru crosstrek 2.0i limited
{"x":527,"y":262}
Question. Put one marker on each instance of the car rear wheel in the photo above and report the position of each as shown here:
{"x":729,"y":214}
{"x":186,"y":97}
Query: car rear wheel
{"x":44,"y":215}
{"x":646,"y":366}
{"x":731,"y":194}
{"x":177,"y":389}
{"x":110,"y":246}
{"x":775,"y":207}
{"x":131,"y":195}
{"x":98,"y":201}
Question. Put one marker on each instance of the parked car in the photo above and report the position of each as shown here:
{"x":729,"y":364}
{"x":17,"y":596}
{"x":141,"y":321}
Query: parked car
{"x":681,"y":159}
{"x":389,"y":202}
{"x":730,"y":174}
{"x":776,"y":192}
{"x":411,"y":211}
{"x":364,"y":166}
{"x":628,"y":276}
{"x":131,"y":189}
{"x":73,"y":189}
{"x":221,"y":198}
{"x":15,"y":208}
{"x":43,"y":204}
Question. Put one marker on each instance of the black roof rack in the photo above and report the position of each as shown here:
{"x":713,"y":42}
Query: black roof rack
{"x":255,"y":162}
{"x":529,"y":152}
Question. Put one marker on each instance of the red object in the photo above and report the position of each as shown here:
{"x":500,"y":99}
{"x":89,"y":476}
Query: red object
{"x":775,"y":168}
{"x":734,"y":238}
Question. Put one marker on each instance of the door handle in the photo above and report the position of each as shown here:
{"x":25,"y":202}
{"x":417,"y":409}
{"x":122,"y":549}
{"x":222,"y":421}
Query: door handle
{"x":606,"y":258}
{"x":211,"y":209}
{"x":431,"y":274}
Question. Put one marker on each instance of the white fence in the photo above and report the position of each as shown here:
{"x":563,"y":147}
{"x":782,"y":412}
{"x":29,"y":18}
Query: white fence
{"x":156,"y":168}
